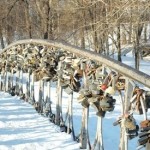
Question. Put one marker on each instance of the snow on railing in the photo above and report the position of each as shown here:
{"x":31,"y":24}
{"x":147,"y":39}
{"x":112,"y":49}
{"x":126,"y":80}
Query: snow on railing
{"x":95,"y":77}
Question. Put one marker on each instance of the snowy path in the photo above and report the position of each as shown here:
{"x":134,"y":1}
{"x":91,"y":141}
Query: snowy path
{"x":21,"y":128}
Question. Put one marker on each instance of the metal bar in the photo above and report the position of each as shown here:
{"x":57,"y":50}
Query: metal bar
{"x":114,"y":64}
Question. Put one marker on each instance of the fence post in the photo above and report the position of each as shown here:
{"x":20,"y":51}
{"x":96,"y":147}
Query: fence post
{"x":59,"y":99}
{"x":70,"y":116}
{"x":129,"y":87}
{"x":20,"y":82}
{"x":148,"y":146}
{"x":85,"y":114}
{"x":12,"y":78}
{"x":1,"y":81}
{"x":28,"y":85}
{"x":32,"y":89}
{"x":5,"y":78}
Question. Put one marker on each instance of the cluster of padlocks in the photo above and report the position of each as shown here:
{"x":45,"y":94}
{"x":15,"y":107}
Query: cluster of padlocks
{"x":95,"y":83}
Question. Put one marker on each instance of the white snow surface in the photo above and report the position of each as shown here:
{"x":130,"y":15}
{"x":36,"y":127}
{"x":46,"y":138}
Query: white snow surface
{"x":22,"y":128}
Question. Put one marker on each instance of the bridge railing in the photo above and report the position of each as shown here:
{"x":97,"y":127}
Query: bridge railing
{"x":67,"y":65}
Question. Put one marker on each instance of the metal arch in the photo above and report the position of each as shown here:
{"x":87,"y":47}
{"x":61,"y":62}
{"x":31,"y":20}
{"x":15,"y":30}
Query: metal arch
{"x":114,"y":64}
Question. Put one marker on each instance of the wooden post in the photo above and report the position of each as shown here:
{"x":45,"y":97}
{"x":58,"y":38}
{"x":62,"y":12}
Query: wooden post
{"x":70,"y":117}
{"x":1,"y":81}
{"x":5,"y":78}
{"x":59,"y":100}
{"x":143,"y":108}
{"x":43,"y":94}
{"x":129,"y":87}
{"x":40,"y":100}
{"x":28,"y":86}
{"x":84,"y":129}
{"x":17,"y":83}
{"x":9,"y":81}
{"x":32,"y":89}
{"x":69,"y":112}
{"x":48,"y":96}
{"x":58,"y":103}
{"x":99,"y":137}
{"x":148,"y":146}
{"x":20,"y":82}
{"x":47,"y":92}
{"x":99,"y":132}
{"x":6,"y":81}
{"x":12,"y":78}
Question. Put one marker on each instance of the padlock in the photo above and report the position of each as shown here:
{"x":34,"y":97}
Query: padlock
{"x":147,"y":99}
{"x":98,"y":73}
{"x":110,"y":90}
{"x":117,"y":122}
{"x":75,"y":85}
{"x":95,"y":105}
{"x":83,"y":65}
{"x":120,"y":84}
{"x":103,"y":87}
{"x":64,"y":83}
{"x":130,"y":124}
{"x":85,"y":103}
{"x":78,"y":74}
{"x":76,"y":63}
{"x":107,"y":103}
{"x":52,"y":117}
{"x":143,"y":140}
{"x":81,"y":98}
{"x":31,"y":101}
{"x":68,"y":90}
{"x":145,"y":123}
{"x":101,"y":113}
{"x":93,"y":99}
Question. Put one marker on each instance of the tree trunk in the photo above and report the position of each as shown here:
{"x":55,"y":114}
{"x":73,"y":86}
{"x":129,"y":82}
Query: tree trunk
{"x":145,"y":33}
{"x":2,"y":40}
{"x":118,"y":43}
{"x":28,"y":20}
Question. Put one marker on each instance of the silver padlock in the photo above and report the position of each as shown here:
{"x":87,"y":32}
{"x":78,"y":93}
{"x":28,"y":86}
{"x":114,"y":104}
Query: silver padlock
{"x":83,"y":65}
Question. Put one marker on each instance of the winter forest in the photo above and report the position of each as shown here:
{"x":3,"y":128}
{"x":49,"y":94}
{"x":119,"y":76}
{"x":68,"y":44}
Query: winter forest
{"x":79,"y":76}
{"x":99,"y":25}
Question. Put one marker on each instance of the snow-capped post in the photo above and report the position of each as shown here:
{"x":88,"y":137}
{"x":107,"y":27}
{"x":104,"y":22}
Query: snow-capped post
{"x":85,"y":114}
{"x":59,"y":99}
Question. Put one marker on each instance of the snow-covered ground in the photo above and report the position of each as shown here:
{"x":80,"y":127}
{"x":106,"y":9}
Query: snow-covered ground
{"x":22,"y":128}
